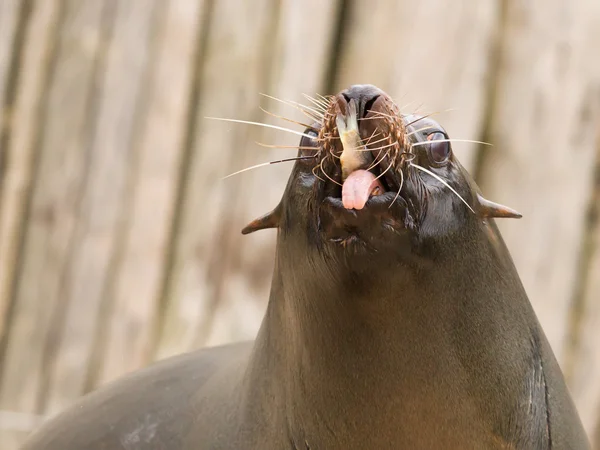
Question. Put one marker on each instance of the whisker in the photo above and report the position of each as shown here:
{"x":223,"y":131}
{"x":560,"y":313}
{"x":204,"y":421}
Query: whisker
{"x":375,"y":162}
{"x":363,"y":119}
{"x":265,"y":125}
{"x":429,"y":172}
{"x":451,"y":140}
{"x":311,"y":112}
{"x":399,"y":189}
{"x":326,"y":99}
{"x":383,"y":173}
{"x":309,"y":108}
{"x":321,"y":105}
{"x":364,"y":148}
{"x":315,"y":174}
{"x":421,"y":129}
{"x":288,"y":120}
{"x":420,"y":118}
{"x":268,"y":164}
{"x":298,"y":147}
{"x":408,"y":104}
{"x":385,"y":138}
{"x":326,"y":174}
{"x":375,"y":133}
{"x":429,"y":115}
{"x":377,"y":148}
{"x":379,"y":113}
{"x":418,"y":108}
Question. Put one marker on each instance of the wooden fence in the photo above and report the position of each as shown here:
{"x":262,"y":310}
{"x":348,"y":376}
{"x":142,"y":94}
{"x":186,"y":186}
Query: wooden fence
{"x":119,"y":244}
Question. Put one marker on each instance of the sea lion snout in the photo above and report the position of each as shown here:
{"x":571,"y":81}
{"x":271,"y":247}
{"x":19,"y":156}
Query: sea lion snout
{"x":365,"y":96}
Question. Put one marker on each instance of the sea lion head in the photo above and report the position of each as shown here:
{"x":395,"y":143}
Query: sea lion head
{"x":371,"y":180}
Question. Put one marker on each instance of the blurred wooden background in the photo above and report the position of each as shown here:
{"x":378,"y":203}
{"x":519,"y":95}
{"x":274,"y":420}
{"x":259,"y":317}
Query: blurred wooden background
{"x":119,"y":243}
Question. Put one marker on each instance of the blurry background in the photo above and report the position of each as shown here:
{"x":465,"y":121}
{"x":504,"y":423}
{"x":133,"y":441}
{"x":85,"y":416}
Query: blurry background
{"x":119,"y":243}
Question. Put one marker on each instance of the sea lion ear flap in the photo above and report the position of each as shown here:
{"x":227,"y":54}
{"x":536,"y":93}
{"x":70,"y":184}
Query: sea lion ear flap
{"x":269,"y":220}
{"x":486,"y":209}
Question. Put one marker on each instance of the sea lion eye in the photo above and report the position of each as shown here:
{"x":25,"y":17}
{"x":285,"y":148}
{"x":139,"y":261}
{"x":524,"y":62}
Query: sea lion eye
{"x":309,"y":140}
{"x":439,"y":149}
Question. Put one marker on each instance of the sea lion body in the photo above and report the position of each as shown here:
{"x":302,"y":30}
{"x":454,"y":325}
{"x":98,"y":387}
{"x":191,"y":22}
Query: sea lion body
{"x":400,"y":325}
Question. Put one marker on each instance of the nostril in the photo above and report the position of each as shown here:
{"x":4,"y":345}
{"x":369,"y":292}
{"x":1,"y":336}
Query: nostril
{"x":369,"y":105}
{"x":347,"y":98}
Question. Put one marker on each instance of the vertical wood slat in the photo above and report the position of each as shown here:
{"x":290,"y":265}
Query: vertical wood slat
{"x":115,"y":106}
{"x":233,"y":70}
{"x":242,"y":301}
{"x":9,"y":20}
{"x":545,"y":113}
{"x":137,"y":286}
{"x":584,"y":379}
{"x":54,"y":206}
{"x":430,"y":56}
{"x":20,"y":154}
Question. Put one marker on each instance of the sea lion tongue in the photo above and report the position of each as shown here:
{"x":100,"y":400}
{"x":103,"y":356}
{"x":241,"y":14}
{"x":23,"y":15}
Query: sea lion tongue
{"x":358,"y":188}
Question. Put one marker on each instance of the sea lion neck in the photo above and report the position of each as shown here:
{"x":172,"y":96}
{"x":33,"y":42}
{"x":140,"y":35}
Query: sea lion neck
{"x":335,"y":341}
{"x":312,"y":284}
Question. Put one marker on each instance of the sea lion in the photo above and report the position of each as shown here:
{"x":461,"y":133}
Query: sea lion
{"x":396,"y":318}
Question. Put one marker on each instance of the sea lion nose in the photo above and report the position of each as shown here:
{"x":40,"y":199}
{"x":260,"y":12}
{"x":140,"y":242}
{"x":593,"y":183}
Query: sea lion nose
{"x":364,"y":95}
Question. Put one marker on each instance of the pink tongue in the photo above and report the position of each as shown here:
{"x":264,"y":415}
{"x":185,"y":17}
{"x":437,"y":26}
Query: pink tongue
{"x":358,"y":187}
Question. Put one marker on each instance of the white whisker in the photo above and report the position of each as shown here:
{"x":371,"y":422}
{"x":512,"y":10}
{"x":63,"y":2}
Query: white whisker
{"x":311,"y":112}
{"x":286,"y":119}
{"x":265,"y":125}
{"x":267,"y":164}
{"x":297,"y":147}
{"x":416,"y":144}
{"x":399,"y":189}
{"x":428,"y":115}
{"x":377,"y":148}
{"x":429,"y":172}
{"x":421,"y":129}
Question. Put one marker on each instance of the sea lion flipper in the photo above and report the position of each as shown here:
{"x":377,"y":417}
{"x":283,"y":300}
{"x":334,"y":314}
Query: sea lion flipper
{"x":269,"y":220}
{"x":487,"y":208}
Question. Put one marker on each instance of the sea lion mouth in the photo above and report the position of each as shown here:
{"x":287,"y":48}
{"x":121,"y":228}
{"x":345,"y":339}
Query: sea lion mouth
{"x":364,"y":158}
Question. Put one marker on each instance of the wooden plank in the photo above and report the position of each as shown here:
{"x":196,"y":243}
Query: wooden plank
{"x":430,"y":56}
{"x":18,"y":155}
{"x":54,"y":210}
{"x":99,"y":224}
{"x":241,"y":305}
{"x":9,"y":15}
{"x":544,"y":124}
{"x":235,"y":66}
{"x":20,"y":149}
{"x":9,"y":19}
{"x":150,"y":212}
{"x":27,"y":111}
{"x":584,"y":376}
